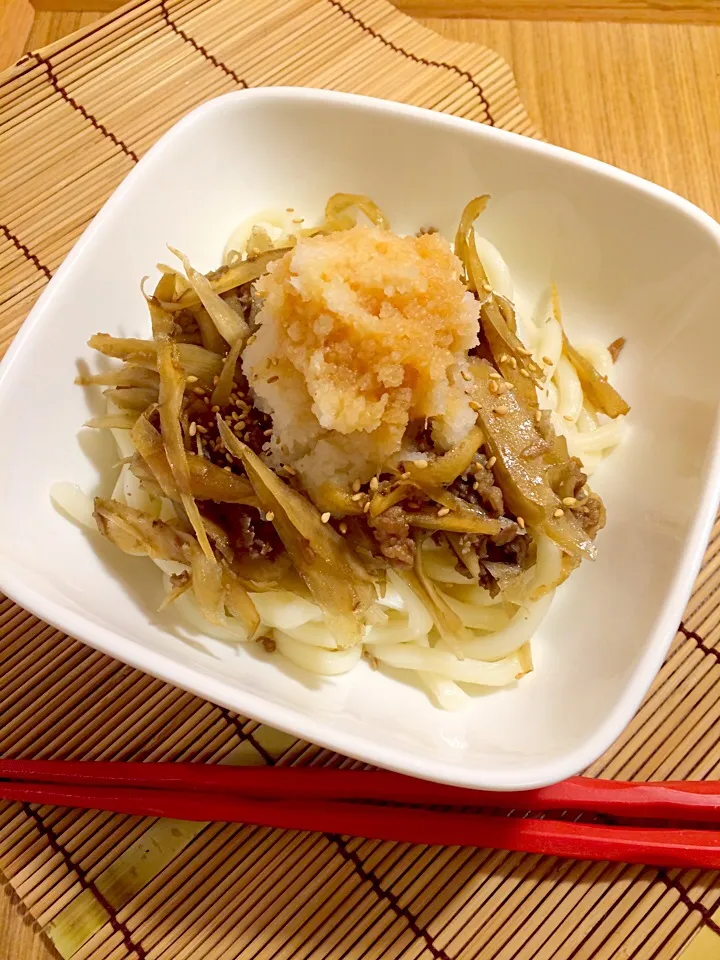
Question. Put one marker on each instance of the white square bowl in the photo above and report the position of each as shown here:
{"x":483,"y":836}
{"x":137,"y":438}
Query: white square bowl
{"x":630,"y":259}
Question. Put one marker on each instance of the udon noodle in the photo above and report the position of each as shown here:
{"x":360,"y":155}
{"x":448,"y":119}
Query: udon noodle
{"x":490,"y":648}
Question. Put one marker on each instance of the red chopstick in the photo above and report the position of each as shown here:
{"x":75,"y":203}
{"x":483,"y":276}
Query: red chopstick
{"x":582,"y":841}
{"x":697,"y":801}
{"x":349,"y":802}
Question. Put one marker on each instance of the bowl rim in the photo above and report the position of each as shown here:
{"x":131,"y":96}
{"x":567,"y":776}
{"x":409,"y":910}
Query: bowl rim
{"x":538,"y":772}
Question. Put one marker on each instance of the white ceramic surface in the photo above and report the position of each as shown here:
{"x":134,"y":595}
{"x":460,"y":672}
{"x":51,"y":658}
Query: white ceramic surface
{"x":630,"y":259}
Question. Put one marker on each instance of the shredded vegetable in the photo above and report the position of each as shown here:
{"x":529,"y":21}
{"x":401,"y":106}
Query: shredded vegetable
{"x":453,"y":494}
{"x":230,"y":325}
{"x":319,"y":554}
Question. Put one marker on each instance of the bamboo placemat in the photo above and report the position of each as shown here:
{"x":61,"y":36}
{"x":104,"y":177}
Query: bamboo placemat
{"x":74,"y":118}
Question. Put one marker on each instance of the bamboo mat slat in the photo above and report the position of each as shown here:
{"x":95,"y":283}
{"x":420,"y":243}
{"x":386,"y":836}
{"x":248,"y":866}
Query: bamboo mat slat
{"x":105,"y":887}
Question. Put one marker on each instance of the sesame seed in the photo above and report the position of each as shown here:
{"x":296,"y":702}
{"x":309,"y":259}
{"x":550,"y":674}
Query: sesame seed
{"x":566,"y":417}
{"x":201,"y":428}
{"x":559,"y":513}
{"x":228,"y":457}
{"x":500,"y":410}
{"x":495,"y":375}
{"x":422,"y":464}
{"x":524,"y":352}
{"x":298,"y":219}
{"x":325,"y":517}
{"x":547,"y":361}
{"x":503,"y":358}
{"x":290,"y":470}
{"x":476,"y":486}
{"x":215,"y":409}
{"x":473,"y":406}
{"x":273,"y":379}
{"x":229,"y":469}
{"x":405,"y":475}
{"x":199,"y":391}
{"x":216,"y":381}
{"x":521,"y":522}
{"x":491,"y":462}
{"x":343,"y":528}
{"x":355,"y":486}
{"x":238,"y":427}
{"x":357,"y":496}
{"x":206,"y":401}
{"x":374,"y":483}
{"x":486,"y":287}
{"x":191,"y":379}
{"x":513,"y":363}
{"x":569,"y":501}
{"x":193,"y":429}
{"x":366,"y":507}
{"x":503,"y":387}
{"x":269,"y":516}
{"x":524,"y":373}
{"x":493,"y":387}
{"x":268,"y":432}
{"x":466,"y":375}
{"x":538,"y":416}
{"x":443,"y":511}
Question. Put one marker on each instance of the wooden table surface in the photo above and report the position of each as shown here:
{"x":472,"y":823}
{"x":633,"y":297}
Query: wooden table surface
{"x":633,"y":82}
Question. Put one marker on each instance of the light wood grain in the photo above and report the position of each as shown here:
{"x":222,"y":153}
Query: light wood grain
{"x":49,"y":26}
{"x":16,"y":19}
{"x":645,"y":97}
{"x":619,"y":11}
{"x":76,"y":6}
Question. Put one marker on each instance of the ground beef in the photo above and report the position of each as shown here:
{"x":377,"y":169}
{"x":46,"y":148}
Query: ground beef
{"x":419,"y":436}
{"x":248,"y":533}
{"x":254,"y":435}
{"x":507,"y":547}
{"x":517,"y":551}
{"x":488,"y":495}
{"x":568,"y":479}
{"x":186,"y":328}
{"x":391,"y":532}
{"x":359,"y":537}
{"x":591,"y":514}
{"x":415,"y":499}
